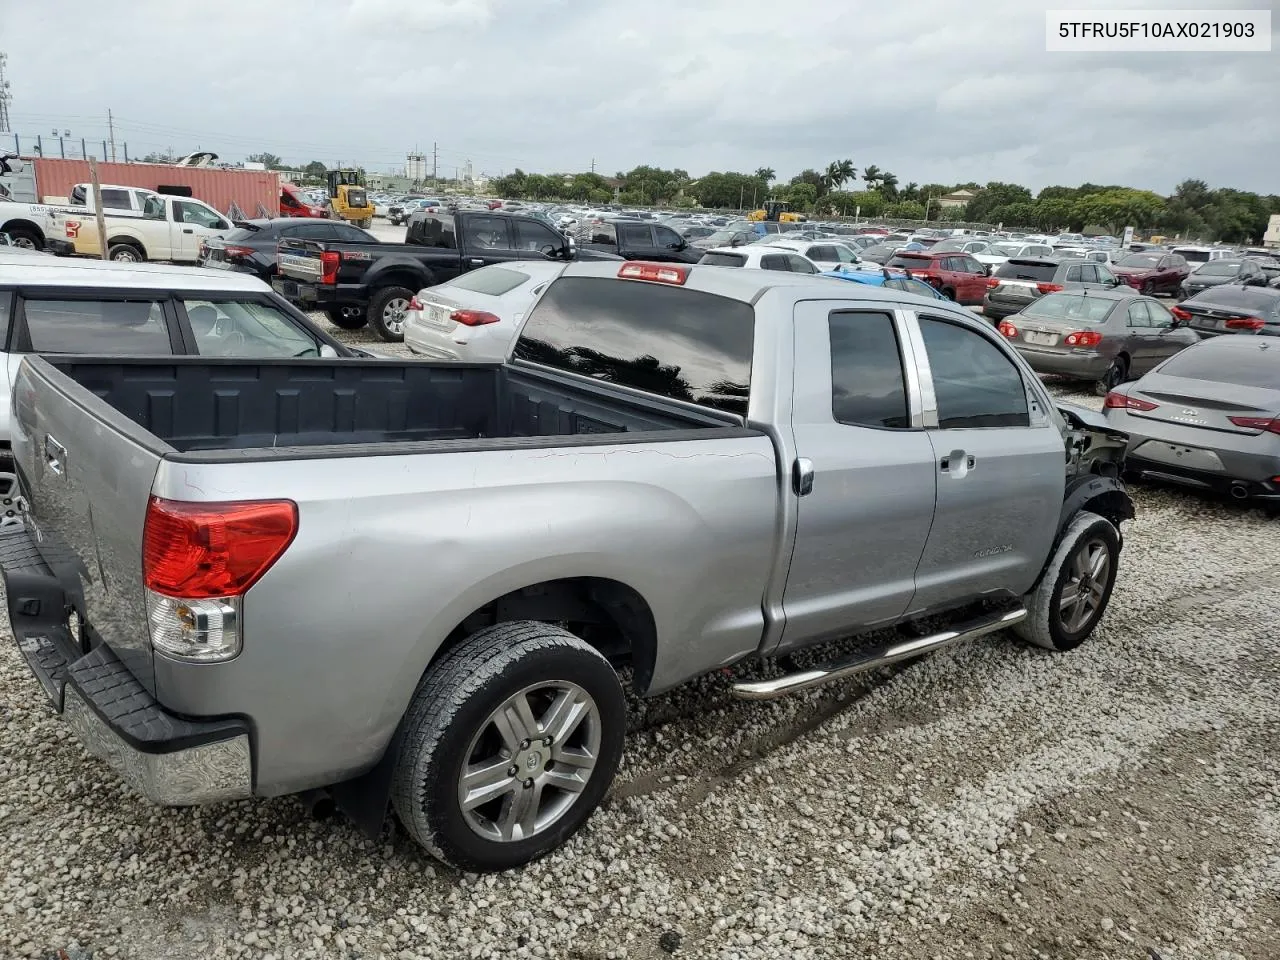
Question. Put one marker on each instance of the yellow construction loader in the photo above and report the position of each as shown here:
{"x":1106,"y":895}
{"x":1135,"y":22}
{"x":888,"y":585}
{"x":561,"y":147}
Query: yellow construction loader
{"x":348,"y":198}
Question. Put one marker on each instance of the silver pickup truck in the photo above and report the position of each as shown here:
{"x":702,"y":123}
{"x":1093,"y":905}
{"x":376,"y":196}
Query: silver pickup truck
{"x":417,"y":584}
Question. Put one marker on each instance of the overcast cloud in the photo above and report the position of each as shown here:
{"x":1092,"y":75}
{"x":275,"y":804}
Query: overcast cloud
{"x":932,"y":91}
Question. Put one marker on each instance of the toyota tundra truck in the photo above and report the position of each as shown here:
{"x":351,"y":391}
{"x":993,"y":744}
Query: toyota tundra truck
{"x":418,"y":586}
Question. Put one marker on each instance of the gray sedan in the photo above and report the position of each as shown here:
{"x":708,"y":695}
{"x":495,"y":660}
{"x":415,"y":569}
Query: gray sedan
{"x":1102,"y":335}
{"x":1208,"y":418}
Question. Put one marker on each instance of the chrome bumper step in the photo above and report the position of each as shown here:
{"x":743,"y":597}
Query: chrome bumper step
{"x":878,"y":656}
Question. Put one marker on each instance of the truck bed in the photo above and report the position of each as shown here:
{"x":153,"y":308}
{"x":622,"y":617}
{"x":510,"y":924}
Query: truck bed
{"x":211,"y":407}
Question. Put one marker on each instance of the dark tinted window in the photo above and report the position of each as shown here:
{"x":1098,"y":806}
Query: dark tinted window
{"x":723,"y":259}
{"x":975,"y":383}
{"x":775,"y":261}
{"x":1219,"y":268}
{"x":867,"y":384}
{"x":534,"y":237}
{"x":313,"y":231}
{"x":799,"y":264}
{"x":6,"y":299}
{"x":346,"y":231}
{"x":112,"y":327}
{"x":667,"y":237}
{"x":115,"y":199}
{"x":432,"y":230}
{"x":912,"y":263}
{"x":1026,"y":270}
{"x":1251,"y":298}
{"x":823,"y":253}
{"x":678,"y":343}
{"x":487,"y":233}
{"x":634,"y":235}
{"x":1252,"y":367}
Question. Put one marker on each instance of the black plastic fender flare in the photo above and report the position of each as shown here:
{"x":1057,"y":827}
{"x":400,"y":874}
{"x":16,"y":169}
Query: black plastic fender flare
{"x":1113,"y":500}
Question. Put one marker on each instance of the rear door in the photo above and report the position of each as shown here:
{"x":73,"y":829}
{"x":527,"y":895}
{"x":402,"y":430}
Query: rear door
{"x":1142,"y":344}
{"x":864,"y":478}
{"x":975,"y":280}
{"x":998,"y":460}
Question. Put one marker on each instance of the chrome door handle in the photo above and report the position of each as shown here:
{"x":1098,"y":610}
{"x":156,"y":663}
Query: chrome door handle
{"x":957,"y":459}
{"x":55,"y":454}
{"x":476,"y":262}
{"x":802,"y":476}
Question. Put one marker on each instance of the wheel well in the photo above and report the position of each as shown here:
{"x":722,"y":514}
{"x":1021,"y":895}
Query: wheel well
{"x":26,"y":226}
{"x":609,"y":615}
{"x":126,"y":242}
{"x":400,"y":279}
{"x":1115,"y":505}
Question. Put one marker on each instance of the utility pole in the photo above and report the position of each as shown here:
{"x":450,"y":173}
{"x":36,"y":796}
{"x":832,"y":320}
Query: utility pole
{"x":435,"y":159}
{"x":111,"y":132}
{"x":5,"y":96}
{"x":593,"y":164}
{"x":97,"y":206}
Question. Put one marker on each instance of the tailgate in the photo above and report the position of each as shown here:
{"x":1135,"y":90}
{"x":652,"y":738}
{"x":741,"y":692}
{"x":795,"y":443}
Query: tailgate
{"x":87,"y":472}
{"x":300,"y":259}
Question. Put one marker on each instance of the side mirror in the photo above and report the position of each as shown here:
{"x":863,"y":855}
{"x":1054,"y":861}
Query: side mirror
{"x":327,"y":352}
{"x":986,"y":270}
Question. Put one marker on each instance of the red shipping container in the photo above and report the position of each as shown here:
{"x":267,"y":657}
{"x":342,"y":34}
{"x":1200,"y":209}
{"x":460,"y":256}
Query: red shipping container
{"x":247,"y":189}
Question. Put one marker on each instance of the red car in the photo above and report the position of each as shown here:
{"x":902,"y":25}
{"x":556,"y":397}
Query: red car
{"x":294,"y":204}
{"x":1152,"y":271}
{"x":957,"y":276}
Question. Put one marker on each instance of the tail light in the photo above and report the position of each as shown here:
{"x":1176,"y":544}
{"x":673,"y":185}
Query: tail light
{"x":1245,"y":323}
{"x":198,"y":561}
{"x":655,"y":272}
{"x":330,"y":260}
{"x":473,"y":318}
{"x":1122,"y":401}
{"x":1180,"y":313}
{"x":1083,"y":338}
{"x":1269,"y":424}
{"x":993,"y":282}
{"x":1049,"y":287}
{"x":233,"y":251}
{"x":1007,"y":329}
{"x":416,"y":304}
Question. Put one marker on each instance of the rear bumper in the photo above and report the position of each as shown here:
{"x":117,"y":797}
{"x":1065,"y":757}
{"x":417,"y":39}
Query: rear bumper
{"x":320,"y":296}
{"x":169,"y":759}
{"x":999,"y":309}
{"x":1208,"y":481}
{"x":61,"y":248}
{"x":1087,"y":364}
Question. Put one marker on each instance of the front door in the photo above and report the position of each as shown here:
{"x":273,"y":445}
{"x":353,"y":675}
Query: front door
{"x":635,"y":242}
{"x":863,"y":481}
{"x":998,"y":460}
{"x":487,"y":239}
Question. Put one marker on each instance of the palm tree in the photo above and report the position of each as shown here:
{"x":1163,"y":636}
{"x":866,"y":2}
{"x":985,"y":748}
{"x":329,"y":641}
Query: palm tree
{"x":847,"y":172}
{"x":911,"y":191}
{"x":831,"y":177}
{"x":872,"y":176}
{"x":888,"y":185}
{"x":767,"y":174}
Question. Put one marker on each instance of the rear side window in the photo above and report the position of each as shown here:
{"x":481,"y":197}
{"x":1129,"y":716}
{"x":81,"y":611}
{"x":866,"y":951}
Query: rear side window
{"x":674,"y":342}
{"x":911,"y":263}
{"x":775,"y":261}
{"x":494,"y":281}
{"x":799,"y":264}
{"x":635,"y":235}
{"x":433,"y":230}
{"x":867,"y":384}
{"x":976,"y":385}
{"x":723,"y":259}
{"x":1246,"y":368}
{"x":115,"y":199}
{"x":1026,"y":270}
{"x":111,"y":328}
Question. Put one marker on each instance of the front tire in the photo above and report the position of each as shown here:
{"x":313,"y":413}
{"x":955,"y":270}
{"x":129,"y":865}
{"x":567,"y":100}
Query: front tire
{"x":949,"y":294}
{"x":26,"y":239}
{"x":1064,"y":607}
{"x":348,"y":318}
{"x":387,"y":312}
{"x":525,"y":697}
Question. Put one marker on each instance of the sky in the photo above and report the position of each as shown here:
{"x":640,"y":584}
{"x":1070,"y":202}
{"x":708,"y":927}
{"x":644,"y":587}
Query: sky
{"x":931,"y":90}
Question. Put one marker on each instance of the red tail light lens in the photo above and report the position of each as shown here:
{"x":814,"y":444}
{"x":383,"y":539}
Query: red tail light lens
{"x":993,"y":282}
{"x":1122,"y":401}
{"x":1245,"y":323}
{"x":1083,"y":338}
{"x":655,"y":272}
{"x":473,"y":318}
{"x":198,"y":550}
{"x":330,"y":260}
{"x":1269,"y":424}
{"x":1008,"y":329}
{"x":415,"y":304}
{"x":234,"y":251}
{"x":1049,"y":287}
{"x":1180,"y":313}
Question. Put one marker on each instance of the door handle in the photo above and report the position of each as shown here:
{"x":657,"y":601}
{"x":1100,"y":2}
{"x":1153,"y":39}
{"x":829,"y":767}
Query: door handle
{"x":55,"y":454}
{"x":963,"y":463}
{"x":802,"y":476}
{"x":187,"y":230}
{"x":476,"y":262}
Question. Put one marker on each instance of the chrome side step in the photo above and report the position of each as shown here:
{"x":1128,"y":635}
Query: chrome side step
{"x":875,"y":657}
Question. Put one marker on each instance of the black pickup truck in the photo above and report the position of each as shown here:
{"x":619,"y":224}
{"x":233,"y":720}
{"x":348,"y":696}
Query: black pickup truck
{"x":636,"y":240}
{"x":359,"y":282}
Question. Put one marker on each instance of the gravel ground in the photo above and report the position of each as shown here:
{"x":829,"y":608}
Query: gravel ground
{"x":991,"y":800}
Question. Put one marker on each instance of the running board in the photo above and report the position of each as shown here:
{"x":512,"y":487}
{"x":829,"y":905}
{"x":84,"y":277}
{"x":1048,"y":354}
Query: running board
{"x":879,"y":656}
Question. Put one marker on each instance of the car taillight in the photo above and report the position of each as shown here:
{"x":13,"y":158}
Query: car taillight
{"x":1008,"y":329}
{"x":1180,"y":313}
{"x":415,"y":304}
{"x":655,"y":272}
{"x":1245,"y":323}
{"x":198,"y":561}
{"x":992,"y":283}
{"x":1049,"y":287}
{"x":233,"y":251}
{"x":473,"y":318}
{"x":330,"y":260}
{"x":1083,"y":338}
{"x":1122,"y":401}
{"x":1269,"y":424}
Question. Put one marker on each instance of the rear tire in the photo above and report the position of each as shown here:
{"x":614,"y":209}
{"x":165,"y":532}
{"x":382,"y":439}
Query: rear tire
{"x":949,"y":294}
{"x":1115,"y":375}
{"x":126,"y":253}
{"x":348,"y":318}
{"x":387,"y":312}
{"x":498,"y":698}
{"x":27,"y":239}
{"x":1069,"y":600}
{"x":1148,"y":289}
{"x":9,"y":516}
{"x":365,"y":224}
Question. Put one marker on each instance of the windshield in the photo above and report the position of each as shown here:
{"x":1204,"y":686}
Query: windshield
{"x":950,"y":246}
{"x":1139,"y":260}
{"x":1074,"y":307}
{"x":1219,"y":268}
{"x":722,"y":236}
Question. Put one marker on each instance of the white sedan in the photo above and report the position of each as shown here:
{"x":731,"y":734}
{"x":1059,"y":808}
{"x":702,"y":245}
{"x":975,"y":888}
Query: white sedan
{"x":827,"y":254}
{"x":474,"y":316}
{"x":759,"y":256}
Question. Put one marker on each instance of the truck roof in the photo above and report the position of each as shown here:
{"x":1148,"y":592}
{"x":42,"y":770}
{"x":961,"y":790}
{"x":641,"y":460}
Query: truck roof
{"x":28,"y":271}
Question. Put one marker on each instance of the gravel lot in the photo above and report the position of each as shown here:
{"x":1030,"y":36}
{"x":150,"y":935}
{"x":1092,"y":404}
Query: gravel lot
{"x":992,"y":800}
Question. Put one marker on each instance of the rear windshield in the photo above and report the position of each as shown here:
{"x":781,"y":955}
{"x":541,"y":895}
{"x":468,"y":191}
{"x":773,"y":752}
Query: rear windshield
{"x":1139,"y":260}
{"x":723,"y":259}
{"x":494,"y":281}
{"x":1219,"y":268}
{"x":241,"y":233}
{"x":1071,"y":306}
{"x":1251,"y":298}
{"x":677,"y":343}
{"x":1246,"y":368}
{"x":912,"y":263}
{"x":1195,"y":256}
{"x":1026,"y":270}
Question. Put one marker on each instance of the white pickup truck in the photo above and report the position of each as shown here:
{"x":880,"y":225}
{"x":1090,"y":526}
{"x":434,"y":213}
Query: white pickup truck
{"x":169,"y":228}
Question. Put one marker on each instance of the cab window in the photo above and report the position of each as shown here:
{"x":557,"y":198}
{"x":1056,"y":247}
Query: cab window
{"x":232,"y":328}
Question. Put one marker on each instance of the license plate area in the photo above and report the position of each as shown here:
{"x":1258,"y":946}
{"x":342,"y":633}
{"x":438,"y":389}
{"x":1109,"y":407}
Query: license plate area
{"x":1040,"y":339}
{"x":1180,"y":455}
